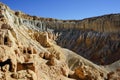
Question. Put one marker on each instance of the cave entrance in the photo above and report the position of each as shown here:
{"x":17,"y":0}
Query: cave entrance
{"x":7,"y":62}
{"x":5,"y":40}
{"x":29,"y":51}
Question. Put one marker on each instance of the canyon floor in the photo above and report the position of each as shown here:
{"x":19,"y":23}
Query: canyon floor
{"x":37,"y":48}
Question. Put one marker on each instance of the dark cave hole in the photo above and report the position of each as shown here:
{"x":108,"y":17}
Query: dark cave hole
{"x":29,"y":51}
{"x":44,"y":57}
{"x":24,"y":51}
{"x":5,"y":40}
{"x":8,"y":61}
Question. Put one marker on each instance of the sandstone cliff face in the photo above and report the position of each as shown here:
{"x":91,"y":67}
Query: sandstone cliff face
{"x":99,"y":47}
{"x":97,"y":38}
{"x":29,"y":50}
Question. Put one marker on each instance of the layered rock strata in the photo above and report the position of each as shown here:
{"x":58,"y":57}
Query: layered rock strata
{"x":29,"y":50}
{"x":97,"y":38}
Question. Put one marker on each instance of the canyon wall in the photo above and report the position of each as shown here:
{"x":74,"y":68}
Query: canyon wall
{"x":36,"y":48}
{"x":96,"y":38}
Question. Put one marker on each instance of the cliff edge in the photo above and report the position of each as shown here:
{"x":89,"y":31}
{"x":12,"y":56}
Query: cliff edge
{"x":36,"y":48}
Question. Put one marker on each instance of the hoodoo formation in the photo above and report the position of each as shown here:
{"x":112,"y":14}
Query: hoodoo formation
{"x":37,"y":48}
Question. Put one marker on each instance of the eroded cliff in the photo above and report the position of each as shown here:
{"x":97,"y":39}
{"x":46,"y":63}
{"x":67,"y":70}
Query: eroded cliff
{"x":97,"y":38}
{"x":29,"y":50}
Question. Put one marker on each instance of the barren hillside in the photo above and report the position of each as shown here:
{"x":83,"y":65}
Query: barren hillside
{"x":37,"y":48}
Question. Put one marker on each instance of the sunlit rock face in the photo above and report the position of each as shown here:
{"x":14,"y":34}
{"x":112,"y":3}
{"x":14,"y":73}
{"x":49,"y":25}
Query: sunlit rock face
{"x":36,"y":48}
{"x":96,"y":39}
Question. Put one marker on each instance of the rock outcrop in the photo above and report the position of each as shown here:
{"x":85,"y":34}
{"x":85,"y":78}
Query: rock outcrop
{"x":30,"y":47}
{"x":97,"y":38}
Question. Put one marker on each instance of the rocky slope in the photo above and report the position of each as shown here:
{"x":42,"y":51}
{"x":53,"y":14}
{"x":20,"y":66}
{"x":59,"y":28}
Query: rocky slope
{"x":29,"y":50}
{"x":97,"y":38}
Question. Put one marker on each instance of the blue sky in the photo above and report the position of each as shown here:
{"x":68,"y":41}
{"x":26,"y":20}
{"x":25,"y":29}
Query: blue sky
{"x":65,"y":9}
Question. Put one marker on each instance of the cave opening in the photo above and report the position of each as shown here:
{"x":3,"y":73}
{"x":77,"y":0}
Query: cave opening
{"x":29,"y":51}
{"x":24,"y":51}
{"x":7,"y":62}
{"x":5,"y":40}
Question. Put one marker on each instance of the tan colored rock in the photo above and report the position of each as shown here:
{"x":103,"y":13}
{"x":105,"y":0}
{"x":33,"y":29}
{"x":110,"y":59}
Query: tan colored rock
{"x":114,"y":75}
{"x":25,"y":66}
{"x":80,"y":73}
{"x":32,"y":75}
{"x":42,"y":38}
{"x":53,"y":61}
{"x":14,"y":75}
{"x":24,"y":75}
{"x":65,"y":70}
{"x":6,"y":68}
{"x":29,"y":47}
{"x":31,"y":50}
{"x":41,"y":54}
{"x":47,"y":55}
{"x":34,"y":51}
{"x":5,"y":26}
